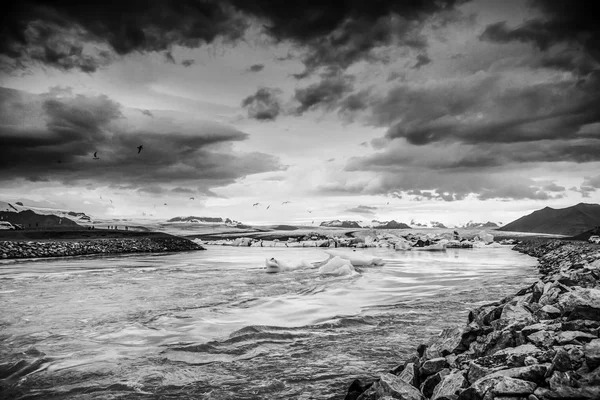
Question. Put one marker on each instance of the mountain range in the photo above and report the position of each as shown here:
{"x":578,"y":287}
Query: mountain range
{"x":205,"y":220}
{"x":336,"y":223}
{"x":562,"y":221}
{"x":37,"y":217}
{"x":480,"y":225}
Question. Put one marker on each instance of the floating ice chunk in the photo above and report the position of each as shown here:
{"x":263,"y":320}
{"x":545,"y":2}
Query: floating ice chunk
{"x":273,"y":265}
{"x":337,"y":266}
{"x":356,"y":259}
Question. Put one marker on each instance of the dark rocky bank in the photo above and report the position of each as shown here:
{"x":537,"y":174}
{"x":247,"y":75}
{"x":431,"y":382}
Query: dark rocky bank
{"x":541,"y":343}
{"x":58,"y":248}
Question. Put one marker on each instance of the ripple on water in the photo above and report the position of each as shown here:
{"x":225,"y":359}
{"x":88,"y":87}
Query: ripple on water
{"x":213,"y":325}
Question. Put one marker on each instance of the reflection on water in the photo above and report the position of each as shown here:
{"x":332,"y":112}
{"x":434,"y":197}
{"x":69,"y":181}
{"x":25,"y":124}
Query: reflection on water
{"x":214,"y":324}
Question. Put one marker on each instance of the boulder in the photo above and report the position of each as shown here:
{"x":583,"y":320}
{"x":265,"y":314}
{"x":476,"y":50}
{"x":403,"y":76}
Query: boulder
{"x":449,"y":341}
{"x":532,"y":373}
{"x":429,"y":385}
{"x":477,"y":371}
{"x":543,"y":339}
{"x":450,"y":385}
{"x":513,"y":313}
{"x":565,"y":392}
{"x":574,"y":337}
{"x":562,"y":361}
{"x":432,"y":366}
{"x":503,"y":386}
{"x":591,"y":352}
{"x":586,"y":297}
{"x":393,"y":386}
{"x":410,"y":375}
{"x":548,"y":312}
{"x":529,"y":329}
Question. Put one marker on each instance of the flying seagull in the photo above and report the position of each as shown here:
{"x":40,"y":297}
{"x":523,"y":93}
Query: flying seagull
{"x":309,"y":211}
{"x":286,"y":202}
{"x":140,"y":147}
{"x":110,"y":201}
{"x":255,"y":204}
{"x":96,"y":156}
{"x":269,"y":206}
{"x":191,"y":198}
{"x":165,"y":204}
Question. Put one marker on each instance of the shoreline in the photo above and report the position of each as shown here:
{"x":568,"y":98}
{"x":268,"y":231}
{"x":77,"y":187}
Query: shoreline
{"x":541,"y":343}
{"x":53,"y":244}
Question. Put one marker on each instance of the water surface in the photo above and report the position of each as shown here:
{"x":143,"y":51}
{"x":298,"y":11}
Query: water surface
{"x":213,"y":325}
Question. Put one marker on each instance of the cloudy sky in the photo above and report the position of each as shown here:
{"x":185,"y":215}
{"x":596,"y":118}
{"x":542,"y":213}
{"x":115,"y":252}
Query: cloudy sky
{"x":432,"y":110}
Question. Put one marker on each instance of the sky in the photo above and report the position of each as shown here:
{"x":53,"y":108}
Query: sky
{"x":432,"y":110}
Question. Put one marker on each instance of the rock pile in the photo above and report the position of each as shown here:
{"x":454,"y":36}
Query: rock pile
{"x":32,"y":249}
{"x":542,"y":343}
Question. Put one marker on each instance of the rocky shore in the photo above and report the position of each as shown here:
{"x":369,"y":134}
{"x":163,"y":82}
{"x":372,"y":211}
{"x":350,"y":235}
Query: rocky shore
{"x":58,"y":248}
{"x":541,"y":343}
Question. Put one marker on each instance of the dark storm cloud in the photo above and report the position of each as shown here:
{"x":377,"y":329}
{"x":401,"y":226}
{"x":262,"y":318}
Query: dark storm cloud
{"x":264,"y":104}
{"x":183,"y":190}
{"x":422,"y":59}
{"x":152,"y":190}
{"x":339,"y":33}
{"x":54,"y":136}
{"x":364,"y":210}
{"x":553,"y":187}
{"x":188,"y":63}
{"x":563,"y":21}
{"x":169,"y":57}
{"x":256,"y":68}
{"x":332,"y":33}
{"x":486,"y":109}
{"x":325,"y":93}
{"x":55,"y":33}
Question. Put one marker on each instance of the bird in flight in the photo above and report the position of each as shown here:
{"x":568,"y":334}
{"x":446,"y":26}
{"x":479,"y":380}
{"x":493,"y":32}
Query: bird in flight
{"x":286,"y":202}
{"x":269,"y":206}
{"x":165,"y":204}
{"x":96,"y":156}
{"x":140,"y":147}
{"x":388,"y":203}
{"x":110,"y":201}
{"x":255,"y":204}
{"x":309,"y":211}
{"x":191,"y":198}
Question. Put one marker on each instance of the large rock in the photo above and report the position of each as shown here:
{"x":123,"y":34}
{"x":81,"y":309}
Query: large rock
{"x":574,"y":337}
{"x":543,"y":339}
{"x":477,"y":371}
{"x":450,"y":385}
{"x":432,"y":366}
{"x":516,"y":313}
{"x":410,"y":375}
{"x":586,"y":297}
{"x":548,"y":312}
{"x":565,"y":392}
{"x":531,"y":373}
{"x":394,"y":387}
{"x":503,"y":386}
{"x":540,"y":326}
{"x":429,"y":385}
{"x":452,"y":341}
{"x":592,"y":353}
